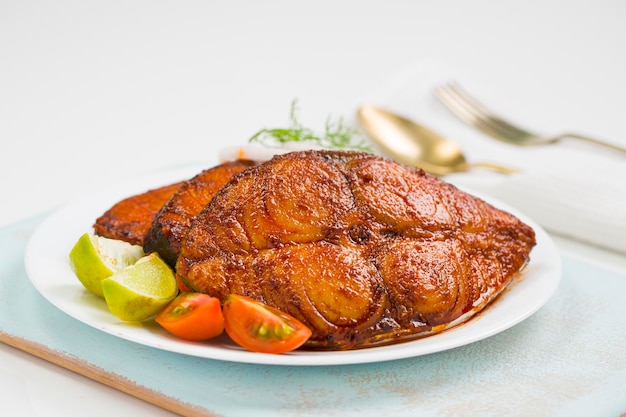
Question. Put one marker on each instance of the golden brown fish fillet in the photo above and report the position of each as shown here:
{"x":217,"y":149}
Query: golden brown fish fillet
{"x":363,"y":250}
{"x":174,"y":219}
{"x":130,"y":219}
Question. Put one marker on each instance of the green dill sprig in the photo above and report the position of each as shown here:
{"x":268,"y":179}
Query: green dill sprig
{"x":336,"y":135}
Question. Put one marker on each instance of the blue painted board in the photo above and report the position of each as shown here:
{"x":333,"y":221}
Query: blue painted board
{"x":569,"y":359}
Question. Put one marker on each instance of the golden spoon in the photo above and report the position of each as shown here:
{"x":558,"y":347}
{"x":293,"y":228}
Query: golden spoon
{"x":415,"y":145}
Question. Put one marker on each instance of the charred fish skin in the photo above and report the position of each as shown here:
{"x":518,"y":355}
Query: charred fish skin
{"x":363,"y":250}
{"x":131,"y":218}
{"x":171,"y":223}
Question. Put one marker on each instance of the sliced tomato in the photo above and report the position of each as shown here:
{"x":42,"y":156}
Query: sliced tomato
{"x":262,"y":328}
{"x":192,"y":316}
{"x":181,"y":285}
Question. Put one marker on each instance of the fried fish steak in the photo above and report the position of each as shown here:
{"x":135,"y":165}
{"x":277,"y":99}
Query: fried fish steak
{"x":174,"y":218}
{"x":363,"y":250}
{"x":131,"y":218}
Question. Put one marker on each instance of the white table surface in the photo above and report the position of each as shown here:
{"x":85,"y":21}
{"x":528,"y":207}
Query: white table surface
{"x":92,"y":93}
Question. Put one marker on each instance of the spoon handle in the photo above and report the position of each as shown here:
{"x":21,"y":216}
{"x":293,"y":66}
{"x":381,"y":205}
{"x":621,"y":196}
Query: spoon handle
{"x":494,"y":167}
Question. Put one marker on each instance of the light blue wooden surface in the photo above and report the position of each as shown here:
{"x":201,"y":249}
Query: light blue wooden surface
{"x":569,"y":359}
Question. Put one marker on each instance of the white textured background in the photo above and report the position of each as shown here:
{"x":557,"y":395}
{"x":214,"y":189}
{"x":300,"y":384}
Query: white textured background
{"x":94,"y":92}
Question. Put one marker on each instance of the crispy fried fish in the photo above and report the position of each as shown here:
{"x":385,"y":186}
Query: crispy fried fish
{"x":363,"y":250}
{"x":130,"y":219}
{"x":174,"y":219}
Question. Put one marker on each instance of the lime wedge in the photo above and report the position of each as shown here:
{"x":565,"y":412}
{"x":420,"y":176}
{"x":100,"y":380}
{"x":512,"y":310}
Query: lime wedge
{"x":139,"y":291}
{"x":94,"y":258}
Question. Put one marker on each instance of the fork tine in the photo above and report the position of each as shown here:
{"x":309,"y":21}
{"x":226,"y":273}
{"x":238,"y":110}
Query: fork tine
{"x":460,"y":109}
{"x":467,"y":113}
{"x":474,"y":113}
{"x":497,"y":121}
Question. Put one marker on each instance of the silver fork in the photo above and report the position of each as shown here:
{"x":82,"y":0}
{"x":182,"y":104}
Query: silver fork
{"x":472,"y":112}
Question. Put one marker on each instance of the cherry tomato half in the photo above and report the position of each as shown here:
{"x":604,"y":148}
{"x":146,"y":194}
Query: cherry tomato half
{"x":192,"y":316}
{"x":262,"y":328}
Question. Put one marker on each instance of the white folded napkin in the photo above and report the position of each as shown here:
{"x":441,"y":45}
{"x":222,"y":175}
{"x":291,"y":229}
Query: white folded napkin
{"x":572,"y":191}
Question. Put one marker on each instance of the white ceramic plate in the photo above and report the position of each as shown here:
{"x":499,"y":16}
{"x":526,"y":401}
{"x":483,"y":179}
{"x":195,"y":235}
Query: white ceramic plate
{"x":48,"y":269}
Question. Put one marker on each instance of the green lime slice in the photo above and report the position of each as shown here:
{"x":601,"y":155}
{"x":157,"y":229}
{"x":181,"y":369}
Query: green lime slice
{"x":94,"y":258}
{"x":139,"y":291}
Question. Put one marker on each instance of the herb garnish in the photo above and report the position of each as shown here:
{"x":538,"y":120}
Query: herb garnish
{"x":336,"y":134}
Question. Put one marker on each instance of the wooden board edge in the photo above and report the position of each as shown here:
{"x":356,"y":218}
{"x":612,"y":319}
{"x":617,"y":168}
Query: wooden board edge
{"x":82,"y":367}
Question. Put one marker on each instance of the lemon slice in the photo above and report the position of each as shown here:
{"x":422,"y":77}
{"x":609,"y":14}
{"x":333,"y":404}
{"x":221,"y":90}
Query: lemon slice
{"x":139,"y":291}
{"x":94,"y":258}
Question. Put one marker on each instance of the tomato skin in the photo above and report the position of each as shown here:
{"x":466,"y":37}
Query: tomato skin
{"x":181,"y":285}
{"x":192,"y":316}
{"x":262,"y":328}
